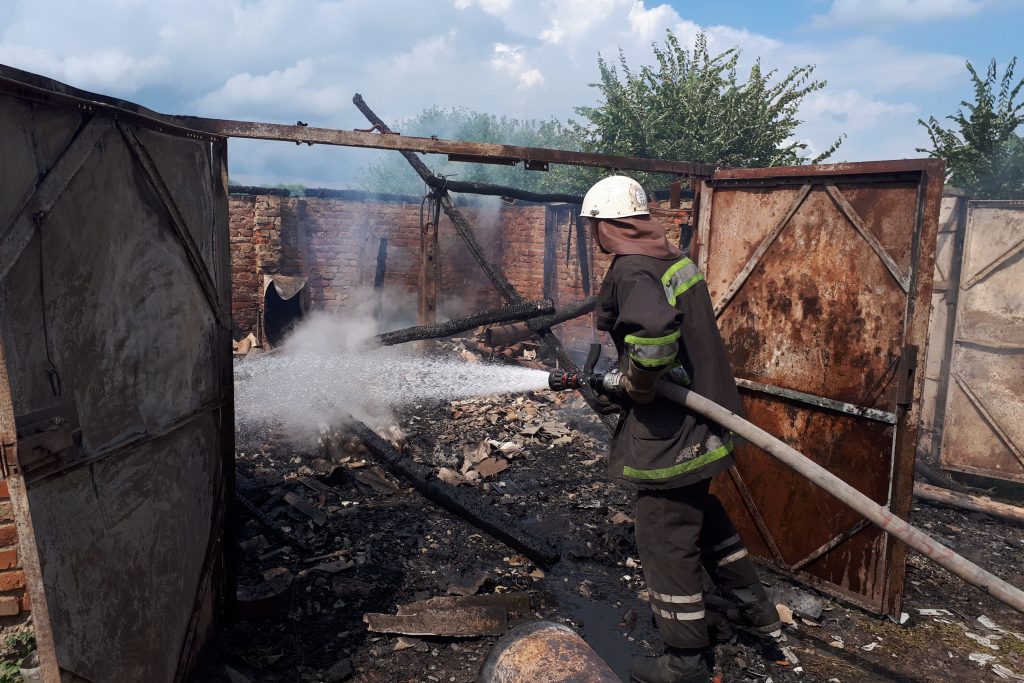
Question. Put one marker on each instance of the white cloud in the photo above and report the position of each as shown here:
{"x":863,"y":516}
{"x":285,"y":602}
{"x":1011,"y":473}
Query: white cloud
{"x":111,"y":70}
{"x":650,"y":24}
{"x":292,"y":88}
{"x":490,"y":6}
{"x":890,"y":12}
{"x":510,"y":59}
{"x":282,"y":60}
{"x":423,"y":56}
{"x":573,"y":21}
{"x":851,"y":110}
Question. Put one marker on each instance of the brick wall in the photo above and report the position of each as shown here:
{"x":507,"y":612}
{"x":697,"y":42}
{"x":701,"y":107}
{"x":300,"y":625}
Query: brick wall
{"x":340,"y":238}
{"x":13,"y":597}
{"x":341,"y":235}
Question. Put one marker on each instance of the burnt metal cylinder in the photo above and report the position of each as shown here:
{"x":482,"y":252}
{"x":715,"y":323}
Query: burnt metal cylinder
{"x":506,"y":335}
{"x":544,"y":652}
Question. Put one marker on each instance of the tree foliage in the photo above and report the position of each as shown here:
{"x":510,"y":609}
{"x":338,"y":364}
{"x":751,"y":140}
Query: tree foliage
{"x":393,"y":173}
{"x":983,"y":152}
{"x":693,"y":105}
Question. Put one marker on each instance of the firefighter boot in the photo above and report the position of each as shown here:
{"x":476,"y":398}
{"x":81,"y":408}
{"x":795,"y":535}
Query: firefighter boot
{"x":675,"y":666}
{"x":755,"y":612}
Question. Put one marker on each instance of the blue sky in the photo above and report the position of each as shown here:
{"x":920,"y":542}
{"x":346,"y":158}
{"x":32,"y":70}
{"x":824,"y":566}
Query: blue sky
{"x":888,"y":62}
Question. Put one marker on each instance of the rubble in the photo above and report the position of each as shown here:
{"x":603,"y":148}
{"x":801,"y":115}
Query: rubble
{"x":385,"y":551}
{"x":266,"y":599}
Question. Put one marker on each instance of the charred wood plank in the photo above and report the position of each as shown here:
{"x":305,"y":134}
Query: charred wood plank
{"x":455,"y":622}
{"x":306,"y":508}
{"x":962,"y":501}
{"x":516,"y":603}
{"x":254,"y":512}
{"x":423,"y":479}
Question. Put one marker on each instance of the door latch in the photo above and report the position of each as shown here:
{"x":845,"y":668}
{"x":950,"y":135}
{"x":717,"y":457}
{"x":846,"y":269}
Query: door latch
{"x":905,"y":373}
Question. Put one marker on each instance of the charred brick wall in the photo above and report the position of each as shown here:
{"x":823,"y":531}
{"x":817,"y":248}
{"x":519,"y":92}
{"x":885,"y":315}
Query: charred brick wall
{"x":336,"y":241}
{"x":336,"y":238}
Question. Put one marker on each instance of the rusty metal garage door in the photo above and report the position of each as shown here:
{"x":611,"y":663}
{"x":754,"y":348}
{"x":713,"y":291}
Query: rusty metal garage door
{"x":115,"y":390}
{"x":821,"y":278}
{"x":983,"y":431}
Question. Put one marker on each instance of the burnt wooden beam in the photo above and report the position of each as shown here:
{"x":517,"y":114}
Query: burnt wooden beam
{"x":472,"y":187}
{"x":472,"y":510}
{"x":507,"y":335}
{"x":512,"y":312}
{"x":483,"y":152}
{"x":430,"y":266}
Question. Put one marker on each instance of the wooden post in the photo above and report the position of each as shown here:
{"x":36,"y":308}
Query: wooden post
{"x":430,"y":278}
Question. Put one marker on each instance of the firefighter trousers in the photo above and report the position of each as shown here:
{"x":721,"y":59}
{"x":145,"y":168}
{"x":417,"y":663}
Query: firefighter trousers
{"x":677,"y":531}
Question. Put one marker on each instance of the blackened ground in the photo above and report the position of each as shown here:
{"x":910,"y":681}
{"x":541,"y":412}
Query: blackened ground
{"x":404,"y":549}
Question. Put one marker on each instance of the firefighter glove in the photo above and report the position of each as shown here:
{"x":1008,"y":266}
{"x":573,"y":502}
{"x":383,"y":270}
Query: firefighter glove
{"x":639,"y":383}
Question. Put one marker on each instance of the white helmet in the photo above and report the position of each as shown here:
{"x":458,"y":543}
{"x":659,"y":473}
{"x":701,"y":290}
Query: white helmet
{"x":616,"y":196}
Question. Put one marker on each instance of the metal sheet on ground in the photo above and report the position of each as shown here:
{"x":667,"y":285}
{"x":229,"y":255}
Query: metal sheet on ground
{"x":117,"y":361}
{"x":983,"y":431}
{"x":821,"y":278}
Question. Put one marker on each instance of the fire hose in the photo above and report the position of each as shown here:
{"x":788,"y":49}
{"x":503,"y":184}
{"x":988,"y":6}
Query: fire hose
{"x":610,"y":384}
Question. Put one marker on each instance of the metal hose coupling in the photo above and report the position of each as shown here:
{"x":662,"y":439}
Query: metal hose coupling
{"x":607,"y":382}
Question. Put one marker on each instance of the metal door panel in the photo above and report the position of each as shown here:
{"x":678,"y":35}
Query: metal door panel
{"x":948,"y":252}
{"x":179,"y":161}
{"x":983,"y":431}
{"x":806,"y":307}
{"x":820,"y":278}
{"x":29,"y":147}
{"x":113,"y":322}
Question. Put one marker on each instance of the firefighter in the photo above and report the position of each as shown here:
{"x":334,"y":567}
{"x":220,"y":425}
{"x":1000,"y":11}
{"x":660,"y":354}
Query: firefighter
{"x":655,"y":305}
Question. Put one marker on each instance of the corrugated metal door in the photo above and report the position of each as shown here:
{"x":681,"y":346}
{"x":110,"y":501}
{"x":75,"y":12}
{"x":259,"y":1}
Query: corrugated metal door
{"x":821,"y":279}
{"x":983,"y":430}
{"x":115,"y":397}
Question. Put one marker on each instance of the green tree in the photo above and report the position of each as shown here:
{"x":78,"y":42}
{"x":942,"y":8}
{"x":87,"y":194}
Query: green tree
{"x":983,"y":152}
{"x":690,"y":106}
{"x":693,"y":105}
{"x":392,"y":173}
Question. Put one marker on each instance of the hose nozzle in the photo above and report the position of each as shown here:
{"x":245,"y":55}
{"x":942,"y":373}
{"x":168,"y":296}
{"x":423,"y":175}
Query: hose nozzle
{"x":607,"y":383}
{"x":560,"y":380}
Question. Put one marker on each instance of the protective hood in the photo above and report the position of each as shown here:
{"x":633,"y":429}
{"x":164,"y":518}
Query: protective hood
{"x":635,"y":235}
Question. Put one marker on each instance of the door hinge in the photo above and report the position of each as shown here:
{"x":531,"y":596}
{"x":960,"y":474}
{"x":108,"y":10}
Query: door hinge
{"x":905,"y":373}
{"x":48,"y":440}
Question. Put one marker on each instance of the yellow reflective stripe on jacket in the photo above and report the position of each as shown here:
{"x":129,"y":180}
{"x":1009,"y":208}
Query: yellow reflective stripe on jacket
{"x":682,"y":468}
{"x":681,"y":276}
{"x":653,"y":352}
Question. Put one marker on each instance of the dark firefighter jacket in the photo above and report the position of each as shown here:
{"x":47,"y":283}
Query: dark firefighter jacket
{"x":659,"y":312}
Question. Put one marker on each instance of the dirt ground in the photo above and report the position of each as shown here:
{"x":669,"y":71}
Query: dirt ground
{"x":381,"y":545}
